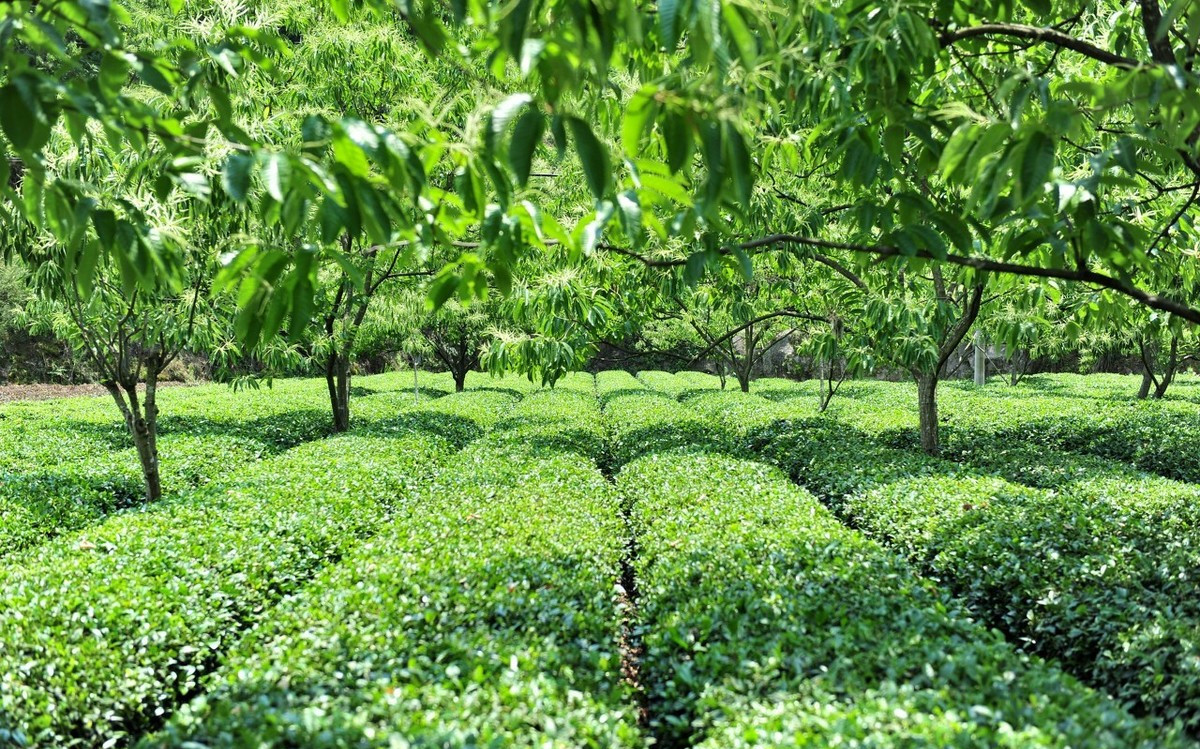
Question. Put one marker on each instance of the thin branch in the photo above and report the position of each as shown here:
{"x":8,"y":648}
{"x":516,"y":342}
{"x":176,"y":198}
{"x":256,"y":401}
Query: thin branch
{"x":713,"y":343}
{"x":841,"y":269}
{"x":1166,"y":230}
{"x":1155,"y":301}
{"x":959,"y":331}
{"x":1035,"y":33}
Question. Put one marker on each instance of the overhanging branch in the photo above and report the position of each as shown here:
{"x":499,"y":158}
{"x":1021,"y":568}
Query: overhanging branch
{"x":1039,"y":34}
{"x":1154,"y":301}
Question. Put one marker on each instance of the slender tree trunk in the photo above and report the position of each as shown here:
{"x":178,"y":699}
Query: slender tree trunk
{"x":830,"y":388}
{"x":460,"y":380}
{"x":1172,"y":367}
{"x":743,"y":373}
{"x":337,"y":379}
{"x":1147,"y":382}
{"x":1148,"y":378}
{"x":927,"y":406}
{"x":1018,"y":366}
{"x":141,"y":419}
{"x":980,"y":361}
{"x":416,"y":362}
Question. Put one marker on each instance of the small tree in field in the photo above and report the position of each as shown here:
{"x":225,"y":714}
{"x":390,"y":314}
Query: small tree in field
{"x":129,"y":337}
{"x":457,"y":336}
{"x":739,"y":320}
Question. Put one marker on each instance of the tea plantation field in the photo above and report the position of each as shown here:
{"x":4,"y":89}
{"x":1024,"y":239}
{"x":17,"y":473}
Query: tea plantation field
{"x":620,"y":561}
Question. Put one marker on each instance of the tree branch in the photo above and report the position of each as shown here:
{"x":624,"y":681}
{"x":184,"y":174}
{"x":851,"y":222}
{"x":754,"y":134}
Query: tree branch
{"x":715,"y":342}
{"x":843,"y":270}
{"x":1083,"y":275}
{"x":1035,"y":33}
{"x":1160,"y":44}
{"x":959,"y":331}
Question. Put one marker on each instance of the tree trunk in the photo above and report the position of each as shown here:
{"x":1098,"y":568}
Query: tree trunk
{"x":337,"y":379}
{"x":1147,"y":381}
{"x":830,"y":389}
{"x":1148,"y":378}
{"x":1172,"y":367}
{"x":460,"y":380}
{"x":927,"y":406}
{"x":743,"y":374}
{"x":1017,"y":370}
{"x":141,"y":419}
{"x":980,"y":361}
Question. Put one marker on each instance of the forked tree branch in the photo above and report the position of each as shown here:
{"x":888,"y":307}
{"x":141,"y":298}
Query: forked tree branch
{"x":1082,"y":275}
{"x":1038,"y":34}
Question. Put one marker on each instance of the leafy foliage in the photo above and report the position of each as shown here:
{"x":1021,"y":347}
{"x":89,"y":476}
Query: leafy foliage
{"x":1105,"y":598}
{"x":194,"y":571}
{"x":492,"y":620}
{"x":753,"y":595}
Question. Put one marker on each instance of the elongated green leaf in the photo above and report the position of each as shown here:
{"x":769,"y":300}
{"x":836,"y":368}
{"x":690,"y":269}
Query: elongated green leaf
{"x":236,"y":176}
{"x":955,"y":153}
{"x":277,"y":174}
{"x":678,"y":134}
{"x":593,"y":155}
{"x":638,"y":115}
{"x":744,"y":263}
{"x":668,"y":19}
{"x":506,"y":110}
{"x":18,"y":118}
{"x":441,"y":288}
{"x":631,"y":215}
{"x":350,"y":155}
{"x":693,"y":271}
{"x":1037,"y":159}
{"x":668,"y":188}
{"x":302,"y":301}
{"x":740,"y":164}
{"x":526,"y":136}
{"x":743,"y":39}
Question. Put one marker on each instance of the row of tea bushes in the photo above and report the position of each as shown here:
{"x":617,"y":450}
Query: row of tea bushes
{"x":1060,"y":412}
{"x":39,"y":505}
{"x":1158,"y":436}
{"x":42,"y":434}
{"x":1055,"y":413}
{"x":54,"y":483}
{"x":766,"y":622}
{"x":642,"y":420}
{"x":663,"y":382}
{"x":483,"y":615}
{"x":754,"y":597}
{"x":681,"y":384}
{"x":1099,"y":575}
{"x":104,"y":632}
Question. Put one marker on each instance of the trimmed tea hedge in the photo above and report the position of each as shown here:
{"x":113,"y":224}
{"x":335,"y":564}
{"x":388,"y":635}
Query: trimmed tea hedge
{"x":55,"y":481}
{"x":484,"y":615}
{"x":1099,"y":575}
{"x":642,"y":420}
{"x":1059,"y":412}
{"x":767,"y":623}
{"x":39,"y":505}
{"x":615,"y":383}
{"x":1158,"y":436}
{"x":663,"y":382}
{"x":104,"y":632}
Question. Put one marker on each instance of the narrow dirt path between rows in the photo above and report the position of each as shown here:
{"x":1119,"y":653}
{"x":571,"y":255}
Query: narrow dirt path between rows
{"x":41,"y":392}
